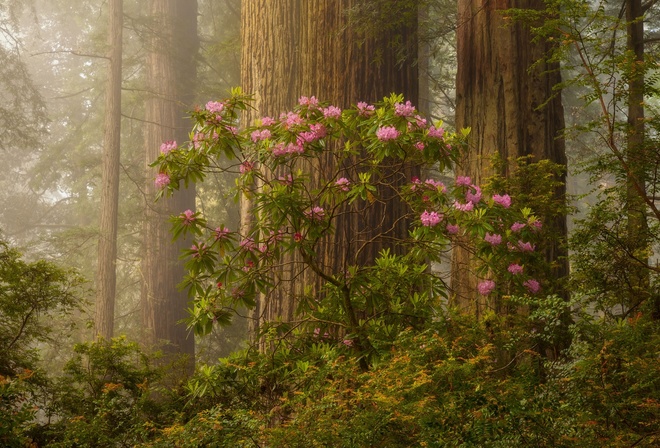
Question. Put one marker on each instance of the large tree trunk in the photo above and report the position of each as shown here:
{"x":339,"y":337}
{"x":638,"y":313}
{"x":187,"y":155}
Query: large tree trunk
{"x":170,"y":75}
{"x":106,"y":277}
{"x":511,"y":109}
{"x":270,"y":71}
{"x":292,"y":48}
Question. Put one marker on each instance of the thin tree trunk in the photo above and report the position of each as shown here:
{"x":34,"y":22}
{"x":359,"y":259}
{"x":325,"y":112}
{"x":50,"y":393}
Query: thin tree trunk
{"x":638,"y":238}
{"x":511,"y":109}
{"x":170,"y":76}
{"x":106,"y":277}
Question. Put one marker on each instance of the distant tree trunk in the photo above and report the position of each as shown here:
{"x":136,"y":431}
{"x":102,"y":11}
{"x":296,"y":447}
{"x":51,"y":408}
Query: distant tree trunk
{"x":636,"y":158}
{"x":502,"y":100}
{"x":170,"y":72}
{"x":106,"y":278}
{"x":325,"y":57}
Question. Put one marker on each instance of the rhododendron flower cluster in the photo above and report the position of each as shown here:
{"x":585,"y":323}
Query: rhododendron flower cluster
{"x":332,"y":112}
{"x":259,"y":135}
{"x":467,"y":207}
{"x":162,"y":180}
{"x":494,"y":239}
{"x":404,"y":110}
{"x":365,"y":109}
{"x":503,"y":200}
{"x":463,"y":181}
{"x":188,"y":217}
{"x":310,"y":102}
{"x":316,"y":213}
{"x":486,"y":287}
{"x":430,"y":219}
{"x":387,"y":133}
{"x":436,"y":132}
{"x":215,"y":106}
{"x":343,"y":184}
{"x":168,"y":146}
{"x":515,"y":269}
{"x":532,"y":285}
{"x":473,"y":194}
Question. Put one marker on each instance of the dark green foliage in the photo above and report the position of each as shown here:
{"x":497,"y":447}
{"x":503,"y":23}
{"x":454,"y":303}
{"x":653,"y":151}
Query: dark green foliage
{"x":442,"y":386}
{"x":31,"y":296}
{"x":111,"y":394}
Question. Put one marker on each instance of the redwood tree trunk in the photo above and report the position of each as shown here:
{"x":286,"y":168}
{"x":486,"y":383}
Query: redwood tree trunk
{"x":170,"y":72}
{"x":502,"y":100}
{"x":106,"y":276}
{"x":293,"y":48}
{"x":636,"y":159}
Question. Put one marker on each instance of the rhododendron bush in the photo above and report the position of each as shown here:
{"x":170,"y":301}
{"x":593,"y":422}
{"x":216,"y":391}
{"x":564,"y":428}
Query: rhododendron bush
{"x":309,"y":168}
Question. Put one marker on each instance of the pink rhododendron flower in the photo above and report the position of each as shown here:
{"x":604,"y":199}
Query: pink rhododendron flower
{"x":493,"y":239}
{"x":436,"y":184}
{"x":420,"y":121}
{"x":332,"y":112}
{"x":232,"y":129}
{"x":343,"y":184}
{"x":260,"y":135}
{"x":463,"y":180}
{"x":316,"y":213}
{"x":188,"y":217}
{"x":532,"y":285}
{"x":267,"y":121}
{"x":197,"y":249}
{"x":221,"y":233}
{"x":437,"y":133}
{"x":404,"y":110}
{"x":537,"y":225}
{"x":246,"y":167}
{"x":467,"y":207}
{"x":162,"y":180}
{"x":517,"y":227}
{"x":503,"y":200}
{"x":291,"y":119}
{"x":215,"y":107}
{"x":248,"y":244}
{"x":515,"y":269}
{"x":281,"y":150}
{"x":387,"y":133}
{"x":311,"y":102}
{"x":306,"y":137}
{"x":473,"y":197}
{"x":430,"y":219}
{"x":526,"y":247}
{"x":453,"y":229}
{"x":168,"y":146}
{"x":420,"y":146}
{"x":365,"y":109}
{"x":297,"y":237}
{"x":486,"y":287}
{"x":318,"y":129}
{"x":348,"y":342}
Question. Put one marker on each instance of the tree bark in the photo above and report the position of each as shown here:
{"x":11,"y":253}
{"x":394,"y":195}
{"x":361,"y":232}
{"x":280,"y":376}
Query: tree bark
{"x":511,"y":108}
{"x":636,"y":158}
{"x":292,"y":48}
{"x":106,"y":277}
{"x":170,"y":73}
